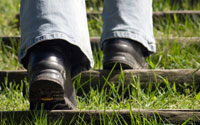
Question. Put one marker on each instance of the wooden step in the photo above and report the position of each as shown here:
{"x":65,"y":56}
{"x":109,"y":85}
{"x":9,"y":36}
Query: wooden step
{"x":172,"y":1}
{"x":155,"y":14}
{"x":163,"y":17}
{"x":15,"y":40}
{"x":129,"y":116}
{"x":103,"y":78}
{"x":181,"y":15}
{"x":175,"y":2}
{"x":99,"y":79}
{"x":162,"y":13}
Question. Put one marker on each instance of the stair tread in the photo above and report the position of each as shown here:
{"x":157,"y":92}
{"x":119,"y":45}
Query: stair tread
{"x":167,"y":115}
{"x":99,"y":78}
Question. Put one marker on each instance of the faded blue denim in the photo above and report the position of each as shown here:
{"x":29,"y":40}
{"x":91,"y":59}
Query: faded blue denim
{"x":43,"y":20}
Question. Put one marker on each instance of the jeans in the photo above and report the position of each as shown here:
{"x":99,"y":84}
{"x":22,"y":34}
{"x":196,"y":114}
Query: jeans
{"x":43,"y":20}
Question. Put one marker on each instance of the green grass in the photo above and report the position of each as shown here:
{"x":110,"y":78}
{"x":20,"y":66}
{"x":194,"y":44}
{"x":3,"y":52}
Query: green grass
{"x":8,"y":11}
{"x":158,"y":5}
{"x":12,"y":98}
{"x":8,"y":57}
{"x":133,"y":96}
{"x":166,"y":5}
{"x":169,"y":56}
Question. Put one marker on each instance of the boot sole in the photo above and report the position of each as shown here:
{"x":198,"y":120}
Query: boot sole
{"x":47,"y":92}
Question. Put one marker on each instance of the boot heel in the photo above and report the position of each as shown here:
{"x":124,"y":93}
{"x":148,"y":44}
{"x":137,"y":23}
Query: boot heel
{"x":49,"y":72}
{"x":46,"y":89}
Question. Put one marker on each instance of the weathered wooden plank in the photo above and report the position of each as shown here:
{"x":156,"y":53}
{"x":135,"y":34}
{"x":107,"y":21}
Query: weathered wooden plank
{"x":163,"y":116}
{"x":178,"y":2}
{"x":162,"y":13}
{"x":157,"y":16}
{"x":154,"y":1}
{"x":182,"y":40}
{"x":100,"y":78}
{"x":158,"y":13}
{"x":161,"y":17}
{"x":10,"y":40}
{"x":177,"y":12}
{"x":17,"y":77}
{"x":95,"y":40}
{"x":12,"y":76}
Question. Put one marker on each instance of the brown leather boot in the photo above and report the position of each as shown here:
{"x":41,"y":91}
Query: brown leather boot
{"x":50,"y":77}
{"x":125,"y":52}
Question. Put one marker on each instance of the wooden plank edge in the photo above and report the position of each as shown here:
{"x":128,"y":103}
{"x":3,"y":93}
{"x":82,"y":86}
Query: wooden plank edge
{"x":157,"y":13}
{"x":162,"y":13}
{"x":95,"y":41}
{"x":177,"y":12}
{"x":166,"y":116}
{"x":97,"y":78}
{"x":184,"y":40}
{"x":172,"y":73}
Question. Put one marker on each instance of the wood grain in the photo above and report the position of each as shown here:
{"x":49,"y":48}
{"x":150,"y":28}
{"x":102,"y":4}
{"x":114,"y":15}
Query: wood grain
{"x":102,"y":78}
{"x":163,"y":116}
{"x":95,"y":41}
{"x":162,"y":13}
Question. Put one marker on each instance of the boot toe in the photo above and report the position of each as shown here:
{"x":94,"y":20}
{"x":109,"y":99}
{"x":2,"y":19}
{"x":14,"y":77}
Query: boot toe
{"x":123,"y":53}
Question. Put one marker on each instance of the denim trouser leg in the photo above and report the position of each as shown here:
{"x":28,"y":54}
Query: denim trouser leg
{"x":130,"y":19}
{"x":43,"y":20}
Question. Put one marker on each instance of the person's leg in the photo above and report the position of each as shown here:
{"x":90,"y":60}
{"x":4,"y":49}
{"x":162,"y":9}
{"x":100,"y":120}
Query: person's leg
{"x":54,"y":44}
{"x":127,"y":22}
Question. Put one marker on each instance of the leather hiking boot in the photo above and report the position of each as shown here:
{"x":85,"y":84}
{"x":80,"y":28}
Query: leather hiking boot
{"x":125,"y":53}
{"x":50,"y":78}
